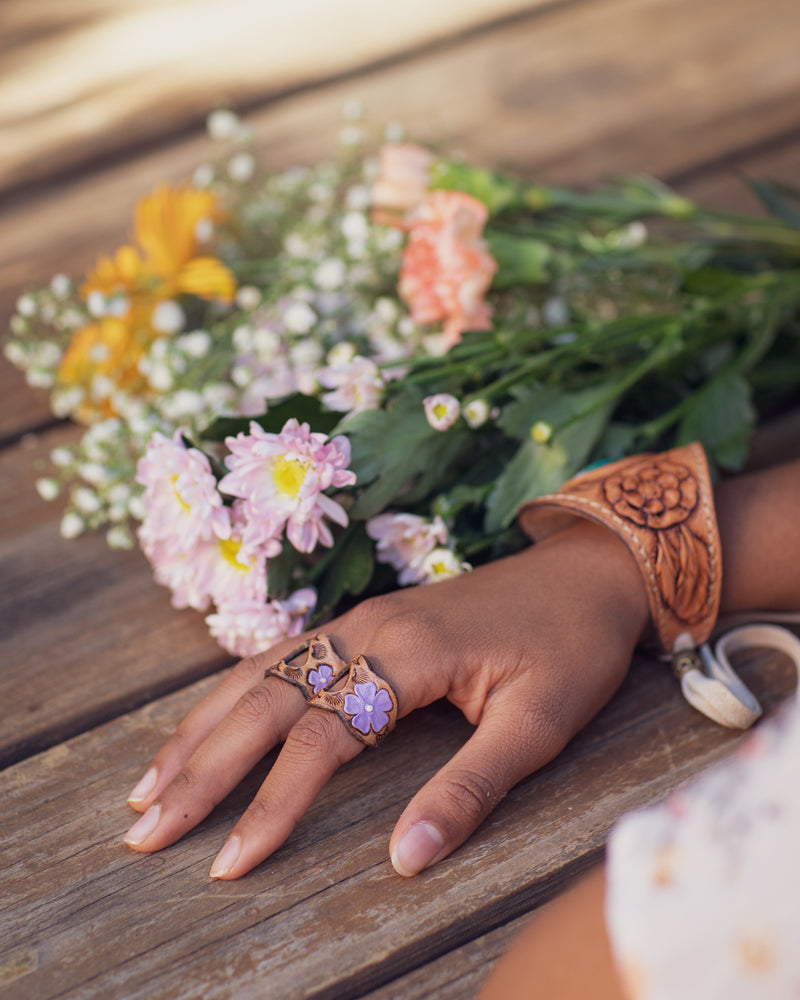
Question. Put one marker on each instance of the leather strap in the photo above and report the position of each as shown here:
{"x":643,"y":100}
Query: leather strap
{"x":662,"y":507}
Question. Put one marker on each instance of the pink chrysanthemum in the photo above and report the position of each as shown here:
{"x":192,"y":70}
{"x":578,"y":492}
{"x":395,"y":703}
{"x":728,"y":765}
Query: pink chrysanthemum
{"x":198,"y":569}
{"x":179,"y":571}
{"x":404,"y":541}
{"x":183,"y":505}
{"x":232,"y":572}
{"x":282,"y":477}
{"x":247,"y":627}
{"x":357,"y":385}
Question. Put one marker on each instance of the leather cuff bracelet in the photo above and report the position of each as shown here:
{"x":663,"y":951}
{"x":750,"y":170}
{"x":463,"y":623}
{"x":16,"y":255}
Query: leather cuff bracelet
{"x":662,"y":507}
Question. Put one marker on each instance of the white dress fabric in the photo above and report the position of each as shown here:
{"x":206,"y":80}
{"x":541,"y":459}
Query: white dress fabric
{"x":704,"y":889}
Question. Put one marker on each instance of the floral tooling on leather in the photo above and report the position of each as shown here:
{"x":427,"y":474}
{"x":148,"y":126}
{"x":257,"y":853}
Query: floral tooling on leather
{"x":661,"y":497}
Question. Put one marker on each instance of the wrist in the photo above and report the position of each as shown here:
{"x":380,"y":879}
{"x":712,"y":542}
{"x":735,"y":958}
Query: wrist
{"x":661,"y":507}
{"x":608,"y":566}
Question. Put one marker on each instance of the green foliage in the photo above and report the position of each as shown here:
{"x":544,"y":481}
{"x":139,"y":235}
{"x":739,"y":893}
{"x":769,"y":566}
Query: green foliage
{"x":782,"y":200}
{"x":284,"y":570}
{"x":494,"y":190}
{"x":305,"y":409}
{"x":351,"y":572}
{"x":722,"y":417}
{"x":395,"y":450}
{"x":577,"y":421}
{"x":520,"y":260}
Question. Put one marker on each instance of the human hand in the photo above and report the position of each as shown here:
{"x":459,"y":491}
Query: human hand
{"x":529,"y":648}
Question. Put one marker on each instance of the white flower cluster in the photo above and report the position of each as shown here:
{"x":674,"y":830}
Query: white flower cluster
{"x":315,"y":312}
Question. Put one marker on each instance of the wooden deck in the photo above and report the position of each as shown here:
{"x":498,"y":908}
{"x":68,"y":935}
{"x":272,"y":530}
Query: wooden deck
{"x":96,"y":668}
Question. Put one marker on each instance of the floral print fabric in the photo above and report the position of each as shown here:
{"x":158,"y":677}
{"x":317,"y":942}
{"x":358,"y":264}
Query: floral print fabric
{"x":704,"y":889}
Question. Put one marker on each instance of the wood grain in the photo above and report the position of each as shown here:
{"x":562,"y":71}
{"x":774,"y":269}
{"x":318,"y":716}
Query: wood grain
{"x":326,"y":916}
{"x":86,"y":634}
{"x":95,"y":78}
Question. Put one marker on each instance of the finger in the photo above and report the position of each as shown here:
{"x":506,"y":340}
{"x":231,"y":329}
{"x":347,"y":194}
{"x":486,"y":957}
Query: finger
{"x":257,"y":722}
{"x":316,"y":746}
{"x":205,"y":717}
{"x":511,"y":741}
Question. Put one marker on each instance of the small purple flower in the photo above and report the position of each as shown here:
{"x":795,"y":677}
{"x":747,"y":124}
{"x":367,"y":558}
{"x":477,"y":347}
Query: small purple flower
{"x":320,"y":679}
{"x":368,"y":707}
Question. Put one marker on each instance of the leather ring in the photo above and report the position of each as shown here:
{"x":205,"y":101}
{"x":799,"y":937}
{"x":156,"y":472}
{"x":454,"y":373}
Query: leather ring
{"x":365,"y":703}
{"x":321,"y":669}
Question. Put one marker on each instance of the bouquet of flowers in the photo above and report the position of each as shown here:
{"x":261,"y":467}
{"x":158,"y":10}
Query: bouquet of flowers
{"x":315,"y":385}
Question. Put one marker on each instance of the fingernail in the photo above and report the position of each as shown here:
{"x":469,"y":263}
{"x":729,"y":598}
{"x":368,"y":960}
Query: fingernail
{"x":143,"y":827}
{"x":226,"y":858}
{"x":417,"y":848}
{"x":145,"y":786}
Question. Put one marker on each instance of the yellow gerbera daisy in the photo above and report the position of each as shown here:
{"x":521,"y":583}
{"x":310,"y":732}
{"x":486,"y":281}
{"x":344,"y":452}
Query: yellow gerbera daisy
{"x":165,"y":265}
{"x":167,"y":223}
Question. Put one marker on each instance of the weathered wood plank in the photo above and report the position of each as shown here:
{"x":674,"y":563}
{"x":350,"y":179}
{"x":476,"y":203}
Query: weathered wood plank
{"x":138,"y":73}
{"x":571,"y":93}
{"x":458,"y":974}
{"x":85,"y":633}
{"x":326,"y":916}
{"x":556,"y":77}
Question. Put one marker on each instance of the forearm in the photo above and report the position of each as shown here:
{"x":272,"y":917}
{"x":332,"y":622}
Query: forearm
{"x":760,"y":533}
{"x":564,"y":954}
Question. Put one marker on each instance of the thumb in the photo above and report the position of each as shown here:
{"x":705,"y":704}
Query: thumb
{"x":512,"y":740}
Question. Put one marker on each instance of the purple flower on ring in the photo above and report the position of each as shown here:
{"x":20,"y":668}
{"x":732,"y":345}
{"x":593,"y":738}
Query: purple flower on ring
{"x":320,"y":679}
{"x":368,"y":707}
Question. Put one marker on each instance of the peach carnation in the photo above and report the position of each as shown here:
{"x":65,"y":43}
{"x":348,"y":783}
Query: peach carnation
{"x":403,"y":179}
{"x":446,"y":269}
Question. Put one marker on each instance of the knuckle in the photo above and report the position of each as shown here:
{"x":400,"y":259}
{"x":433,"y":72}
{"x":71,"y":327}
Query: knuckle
{"x":253,"y":707}
{"x":469,"y":794}
{"x":249,"y":670}
{"x":545,"y":723}
{"x":183,"y":781}
{"x":408,"y":629}
{"x":370,"y":613}
{"x":312,"y":737}
{"x":258,"y":812}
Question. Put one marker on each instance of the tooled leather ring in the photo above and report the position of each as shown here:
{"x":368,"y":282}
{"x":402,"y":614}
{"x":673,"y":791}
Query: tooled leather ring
{"x":366,"y":703}
{"x":321,"y":668}
{"x":661,"y":506}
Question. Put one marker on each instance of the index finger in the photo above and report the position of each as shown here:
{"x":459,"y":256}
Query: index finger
{"x":207,"y":715}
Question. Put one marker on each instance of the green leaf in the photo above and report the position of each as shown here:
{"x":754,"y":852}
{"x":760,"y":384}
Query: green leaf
{"x":778,"y":199}
{"x":448,"y":505}
{"x":538,"y":468}
{"x":713,"y":282}
{"x":396,"y":450}
{"x":350,"y":571}
{"x":530,"y":403}
{"x":305,"y":409}
{"x":536,"y":403}
{"x":721,"y":416}
{"x":534,"y":470}
{"x":521,"y":260}
{"x":495,"y":191}
{"x":281,"y":572}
